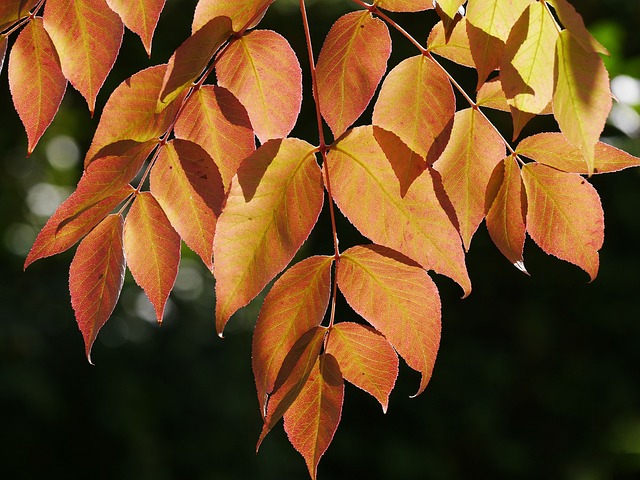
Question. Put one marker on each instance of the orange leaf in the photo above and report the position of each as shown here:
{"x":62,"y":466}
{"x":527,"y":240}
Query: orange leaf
{"x":273,"y":203}
{"x":554,"y":149}
{"x":13,"y":10}
{"x":351,"y":64}
{"x":456,"y":48}
{"x":473,"y":152}
{"x":215,"y":119}
{"x":366,"y":359}
{"x":416,"y":103}
{"x":564,"y":215}
{"x":491,"y":95}
{"x":398,"y":298}
{"x":36,"y":80}
{"x":405,"y":5}
{"x":296,"y":303}
{"x":96,"y":276}
{"x":188,"y":186}
{"x":572,"y":21}
{"x":87,"y":35}
{"x":364,"y":180}
{"x":152,"y":249}
{"x":313,"y":418}
{"x":239,"y":11}
{"x":140,"y":16}
{"x":262,"y":70}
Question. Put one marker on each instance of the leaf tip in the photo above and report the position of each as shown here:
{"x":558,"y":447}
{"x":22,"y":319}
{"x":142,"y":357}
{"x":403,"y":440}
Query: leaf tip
{"x":520,"y":266}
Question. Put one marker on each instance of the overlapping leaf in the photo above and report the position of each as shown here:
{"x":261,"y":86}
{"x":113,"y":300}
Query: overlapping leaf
{"x":239,"y":11}
{"x":36,"y":80}
{"x":572,"y":21}
{"x":450,"y":7}
{"x":273,"y":203}
{"x":564,"y":215}
{"x":13,"y":10}
{"x":398,"y":298}
{"x":363,"y":180}
{"x":262,"y":70}
{"x":140,"y":16}
{"x":366,"y":359}
{"x":351,"y":64}
{"x":96,"y":276}
{"x":87,"y":35}
{"x":456,"y":48}
{"x":295,"y":304}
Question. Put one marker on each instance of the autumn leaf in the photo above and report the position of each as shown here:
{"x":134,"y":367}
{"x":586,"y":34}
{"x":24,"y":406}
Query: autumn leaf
{"x":36,"y":80}
{"x":351,"y":64}
{"x":564,"y":215}
{"x":450,"y":7}
{"x":262,"y":70}
{"x":573,"y":22}
{"x":239,"y":11}
{"x":366,"y":359}
{"x":13,"y":10}
{"x":456,"y":48}
{"x":405,"y":5}
{"x":140,"y":16}
{"x":96,"y":276}
{"x":398,"y":298}
{"x":313,"y":418}
{"x":273,"y":203}
{"x":295,"y":304}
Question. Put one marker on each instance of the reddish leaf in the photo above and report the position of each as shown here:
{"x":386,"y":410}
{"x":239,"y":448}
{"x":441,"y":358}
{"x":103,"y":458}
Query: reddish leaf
{"x":416,"y":103}
{"x":398,"y":298}
{"x":152,"y":249}
{"x":262,"y":70}
{"x":366,"y":359}
{"x":241,"y":12}
{"x":466,"y":166}
{"x":13,"y":10}
{"x":96,"y":276}
{"x":215,"y":119}
{"x":87,"y":35}
{"x":363,"y":180}
{"x":313,"y":418}
{"x":573,"y":22}
{"x":405,"y":5}
{"x":456,"y":48}
{"x":273,"y":203}
{"x":351,"y":64}
{"x":296,"y":303}
{"x":3,"y":50}
{"x":36,"y":80}
{"x":188,"y":186}
{"x":140,"y":16}
{"x":553,"y":149}
{"x":564,"y":215}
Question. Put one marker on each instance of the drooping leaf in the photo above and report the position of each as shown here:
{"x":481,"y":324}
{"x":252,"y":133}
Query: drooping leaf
{"x":456,"y":48}
{"x":582,"y":98}
{"x":13,"y":10}
{"x":3,"y":50}
{"x":295,"y":304}
{"x":36,"y":80}
{"x":416,"y":102}
{"x":366,"y":359}
{"x":140,"y":16}
{"x":363,"y":180}
{"x":405,"y":5}
{"x":473,"y":152}
{"x":152,"y":250}
{"x":572,"y":21}
{"x":215,"y":119}
{"x":239,"y":11}
{"x":96,"y":276}
{"x":273,"y":203}
{"x":87,"y":35}
{"x":398,"y":298}
{"x":564,"y":215}
{"x":186,"y":183}
{"x":191,"y":58}
{"x":351,"y":64}
{"x":554,"y":149}
{"x":262,"y":70}
{"x":506,"y":217}
{"x":313,"y":418}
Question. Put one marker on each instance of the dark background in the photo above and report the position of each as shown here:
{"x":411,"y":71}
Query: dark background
{"x":537,"y":377}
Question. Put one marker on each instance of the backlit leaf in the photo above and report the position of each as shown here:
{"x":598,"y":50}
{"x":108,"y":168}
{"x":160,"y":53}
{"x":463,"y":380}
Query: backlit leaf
{"x":405,"y":5}
{"x":572,"y":21}
{"x":215,"y":119}
{"x":313,"y":418}
{"x":366,"y":359}
{"x":36,"y":80}
{"x":152,"y":249}
{"x":87,"y":35}
{"x":363,"y":180}
{"x":582,"y":98}
{"x":96,"y":276}
{"x":351,"y":64}
{"x":262,"y":70}
{"x":398,"y":298}
{"x":295,"y":304}
{"x":273,"y":203}
{"x":239,"y":11}
{"x":564,"y":215}
{"x":13,"y":10}
{"x":188,"y":186}
{"x":450,"y":7}
{"x":140,"y":16}
{"x":457,"y":48}
{"x":474,"y":150}
{"x":416,"y":103}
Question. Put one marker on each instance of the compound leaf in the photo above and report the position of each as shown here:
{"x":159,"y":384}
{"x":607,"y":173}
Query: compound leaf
{"x":140,"y":16}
